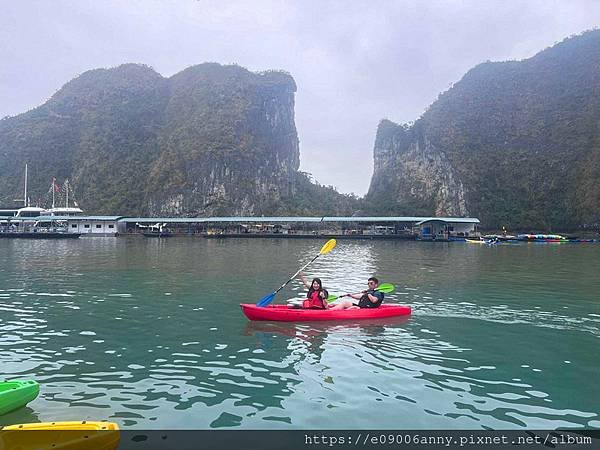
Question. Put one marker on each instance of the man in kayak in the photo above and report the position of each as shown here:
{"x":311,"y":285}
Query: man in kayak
{"x":371,"y":298}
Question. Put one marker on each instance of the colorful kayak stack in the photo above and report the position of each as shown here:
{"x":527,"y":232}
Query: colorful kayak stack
{"x":529,"y":237}
{"x":17,"y":394}
{"x":542,"y":238}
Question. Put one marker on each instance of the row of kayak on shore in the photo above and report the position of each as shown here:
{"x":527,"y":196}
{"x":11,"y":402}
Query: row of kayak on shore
{"x":70,"y":435}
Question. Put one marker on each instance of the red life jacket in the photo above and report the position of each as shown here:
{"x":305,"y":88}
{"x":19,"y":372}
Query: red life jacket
{"x":313,"y":301}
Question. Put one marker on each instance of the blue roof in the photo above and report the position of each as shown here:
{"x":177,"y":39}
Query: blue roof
{"x":218,"y":219}
{"x":96,"y":218}
{"x":447,"y":220}
{"x":294,"y":219}
{"x":152,"y":220}
{"x":400,"y":219}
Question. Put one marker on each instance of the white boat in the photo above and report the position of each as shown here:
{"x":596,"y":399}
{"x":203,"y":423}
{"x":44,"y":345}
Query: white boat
{"x":158,"y":230}
{"x":29,"y":211}
{"x":61,"y":210}
{"x":28,"y":221}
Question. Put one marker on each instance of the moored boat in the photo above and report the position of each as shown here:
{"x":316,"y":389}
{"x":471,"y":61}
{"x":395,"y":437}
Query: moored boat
{"x":500,"y":237}
{"x":475,"y":241}
{"x":283,"y":313}
{"x":159,"y":230}
{"x":482,"y":241}
{"x":16,"y":394}
{"x":34,"y":222}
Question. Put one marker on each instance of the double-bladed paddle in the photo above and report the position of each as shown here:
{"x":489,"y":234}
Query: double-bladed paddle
{"x":329,"y":245}
{"x":386,"y":288}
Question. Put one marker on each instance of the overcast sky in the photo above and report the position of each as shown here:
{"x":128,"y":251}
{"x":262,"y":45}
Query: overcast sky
{"x":355,"y":62}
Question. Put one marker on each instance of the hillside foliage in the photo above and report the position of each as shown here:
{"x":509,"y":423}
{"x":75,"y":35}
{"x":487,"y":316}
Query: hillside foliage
{"x":522,"y":136}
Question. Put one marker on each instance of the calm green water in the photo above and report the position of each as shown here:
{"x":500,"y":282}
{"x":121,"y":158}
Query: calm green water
{"x":148,"y":333}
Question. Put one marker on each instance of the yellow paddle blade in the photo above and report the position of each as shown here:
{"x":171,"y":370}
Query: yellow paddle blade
{"x":329,"y":245}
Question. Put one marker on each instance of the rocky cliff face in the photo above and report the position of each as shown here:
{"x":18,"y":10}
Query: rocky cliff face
{"x":210,"y":140}
{"x":515,"y":144}
{"x":230,"y":137}
{"x":410,"y":164}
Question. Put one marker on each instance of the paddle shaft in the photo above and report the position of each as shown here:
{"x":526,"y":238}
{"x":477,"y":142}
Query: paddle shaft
{"x":329,"y":245}
{"x":296,"y":274}
{"x":356,"y":293}
{"x":386,"y":288}
{"x":329,"y":300}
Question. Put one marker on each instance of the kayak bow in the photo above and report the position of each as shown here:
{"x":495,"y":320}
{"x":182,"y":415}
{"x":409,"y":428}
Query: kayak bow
{"x":16,"y":394}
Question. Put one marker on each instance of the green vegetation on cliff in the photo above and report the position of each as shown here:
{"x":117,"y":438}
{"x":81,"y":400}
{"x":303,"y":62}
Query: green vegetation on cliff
{"x":521,"y":138}
{"x":210,"y":140}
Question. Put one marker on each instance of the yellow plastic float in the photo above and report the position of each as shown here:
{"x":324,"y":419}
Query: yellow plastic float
{"x":84,"y":435}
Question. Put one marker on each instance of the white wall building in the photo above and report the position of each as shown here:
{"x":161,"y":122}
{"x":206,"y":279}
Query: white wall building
{"x":85,"y":225}
{"x":93,"y":225}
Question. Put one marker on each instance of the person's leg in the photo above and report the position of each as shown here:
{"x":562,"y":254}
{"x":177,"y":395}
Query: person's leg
{"x":344,"y":304}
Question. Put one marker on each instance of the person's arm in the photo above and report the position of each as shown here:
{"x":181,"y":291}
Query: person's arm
{"x":324,"y":300}
{"x":303,"y":279}
{"x":374,"y":298}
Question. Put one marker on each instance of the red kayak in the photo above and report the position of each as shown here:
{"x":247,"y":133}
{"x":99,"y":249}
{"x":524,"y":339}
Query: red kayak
{"x":283,"y":313}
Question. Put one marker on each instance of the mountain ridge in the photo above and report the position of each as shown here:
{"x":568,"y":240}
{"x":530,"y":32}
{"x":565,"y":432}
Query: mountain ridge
{"x":208,"y":140}
{"x":514,"y":143}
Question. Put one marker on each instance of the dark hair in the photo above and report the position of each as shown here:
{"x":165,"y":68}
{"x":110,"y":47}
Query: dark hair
{"x":374,"y":279}
{"x":311,"y":290}
{"x":325,"y":293}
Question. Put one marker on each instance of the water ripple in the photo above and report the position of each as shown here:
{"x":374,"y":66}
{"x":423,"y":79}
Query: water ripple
{"x":489,"y":344}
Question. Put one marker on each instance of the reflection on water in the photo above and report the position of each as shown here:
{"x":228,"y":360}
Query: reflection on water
{"x":149,"y":333}
{"x":344,"y":270}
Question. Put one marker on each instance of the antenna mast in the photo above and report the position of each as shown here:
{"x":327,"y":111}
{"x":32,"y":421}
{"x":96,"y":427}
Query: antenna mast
{"x":25,"y":202}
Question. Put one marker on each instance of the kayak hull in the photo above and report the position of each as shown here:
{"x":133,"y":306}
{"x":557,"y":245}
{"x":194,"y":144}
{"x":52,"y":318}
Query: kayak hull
{"x":86,"y":435}
{"x":283,"y":313}
{"x":475,"y":241}
{"x":16,"y":394}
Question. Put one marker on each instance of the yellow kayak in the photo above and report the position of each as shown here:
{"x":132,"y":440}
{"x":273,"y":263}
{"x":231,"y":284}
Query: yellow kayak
{"x":83,"y":435}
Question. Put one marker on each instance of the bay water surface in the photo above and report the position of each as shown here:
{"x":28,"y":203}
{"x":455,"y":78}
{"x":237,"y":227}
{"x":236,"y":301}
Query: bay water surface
{"x":149,"y":333}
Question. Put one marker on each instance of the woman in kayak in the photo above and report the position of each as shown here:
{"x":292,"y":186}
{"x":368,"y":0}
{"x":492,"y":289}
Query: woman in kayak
{"x":316,"y":297}
{"x":371,"y":298}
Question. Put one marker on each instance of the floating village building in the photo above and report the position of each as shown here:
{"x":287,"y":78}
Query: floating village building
{"x":427,"y":228}
{"x":69,"y":221}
